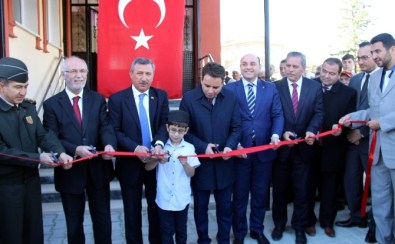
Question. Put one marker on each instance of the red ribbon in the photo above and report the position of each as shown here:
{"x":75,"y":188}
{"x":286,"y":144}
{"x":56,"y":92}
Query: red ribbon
{"x":368,"y":171}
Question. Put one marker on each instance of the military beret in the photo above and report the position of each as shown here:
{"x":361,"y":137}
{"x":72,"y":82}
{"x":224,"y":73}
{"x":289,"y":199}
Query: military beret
{"x":178,"y":117}
{"x":13,"y":69}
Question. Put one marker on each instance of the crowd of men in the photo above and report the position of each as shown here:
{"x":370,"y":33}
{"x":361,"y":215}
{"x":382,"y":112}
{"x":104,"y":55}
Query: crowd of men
{"x":217,"y":117}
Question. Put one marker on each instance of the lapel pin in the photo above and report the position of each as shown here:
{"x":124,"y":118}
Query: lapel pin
{"x":29,"y":120}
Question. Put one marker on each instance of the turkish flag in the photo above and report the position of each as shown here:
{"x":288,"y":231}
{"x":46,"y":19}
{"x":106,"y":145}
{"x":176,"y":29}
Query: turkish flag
{"x":141,"y":28}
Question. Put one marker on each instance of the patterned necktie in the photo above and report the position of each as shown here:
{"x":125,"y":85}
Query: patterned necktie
{"x":251,"y":99}
{"x":364,"y":90}
{"x":77,"y":110}
{"x":145,"y":133}
{"x":325,"y":88}
{"x":295,"y":97}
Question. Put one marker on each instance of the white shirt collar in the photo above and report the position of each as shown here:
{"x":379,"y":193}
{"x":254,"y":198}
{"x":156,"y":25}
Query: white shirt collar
{"x":71,"y":95}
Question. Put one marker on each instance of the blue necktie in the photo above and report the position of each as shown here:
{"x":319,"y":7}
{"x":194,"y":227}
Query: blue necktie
{"x":251,"y":106}
{"x":145,"y":133}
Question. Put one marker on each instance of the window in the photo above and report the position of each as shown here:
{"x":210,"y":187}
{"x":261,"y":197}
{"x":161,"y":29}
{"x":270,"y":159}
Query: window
{"x":25,"y":13}
{"x":53,"y":22}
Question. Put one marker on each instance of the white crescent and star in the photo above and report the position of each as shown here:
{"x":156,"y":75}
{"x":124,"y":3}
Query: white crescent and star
{"x":142,"y":39}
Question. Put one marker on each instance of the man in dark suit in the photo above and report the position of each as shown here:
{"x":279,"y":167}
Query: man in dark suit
{"x":139,"y":115}
{"x":262,"y":123}
{"x":21,"y":133}
{"x":215,"y":126}
{"x":301,"y":100}
{"x":357,"y":152}
{"x":79,"y":118}
{"x":339,"y":100}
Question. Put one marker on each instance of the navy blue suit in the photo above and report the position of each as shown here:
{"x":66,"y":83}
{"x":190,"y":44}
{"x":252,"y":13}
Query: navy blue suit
{"x":253,"y":174}
{"x":219,"y":124}
{"x":130,"y":170}
{"x":294,"y":162}
{"x":93,"y":175}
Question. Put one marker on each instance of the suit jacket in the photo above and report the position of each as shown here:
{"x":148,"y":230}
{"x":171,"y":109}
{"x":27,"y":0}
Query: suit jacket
{"x":95,"y":130}
{"x":125,"y":120}
{"x":268,"y":118}
{"x":338,"y":101}
{"x":361,"y":103}
{"x":382,"y":108}
{"x":219,"y":124}
{"x":309,"y":117}
{"x":21,"y":134}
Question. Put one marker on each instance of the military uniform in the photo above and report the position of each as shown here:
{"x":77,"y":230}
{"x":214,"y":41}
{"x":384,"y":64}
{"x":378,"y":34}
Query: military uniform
{"x":21,"y":134}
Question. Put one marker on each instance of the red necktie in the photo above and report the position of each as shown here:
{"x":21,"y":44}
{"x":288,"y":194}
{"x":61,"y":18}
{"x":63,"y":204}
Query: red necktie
{"x":77,"y":110}
{"x":295,"y":97}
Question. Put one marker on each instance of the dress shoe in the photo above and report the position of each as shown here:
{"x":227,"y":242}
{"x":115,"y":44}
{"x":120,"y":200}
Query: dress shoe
{"x":329,"y":231}
{"x":238,"y":241}
{"x":352,"y":223}
{"x":371,"y":236}
{"x":277,"y":233}
{"x":310,"y":230}
{"x":260,"y":238}
{"x":300,"y":237}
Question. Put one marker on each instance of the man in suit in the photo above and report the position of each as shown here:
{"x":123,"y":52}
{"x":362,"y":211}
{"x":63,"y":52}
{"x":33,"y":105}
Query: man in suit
{"x":21,"y":134}
{"x":262,"y":123}
{"x":215,"y":126}
{"x":139,"y":115}
{"x":381,"y":116}
{"x":79,"y":118}
{"x":339,"y":100}
{"x":357,"y":152}
{"x":301,"y":99}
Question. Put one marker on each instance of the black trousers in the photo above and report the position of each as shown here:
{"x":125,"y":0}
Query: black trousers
{"x":21,"y":219}
{"x":132,"y":197}
{"x":297,"y":171}
{"x":173,"y":222}
{"x":99,"y":207}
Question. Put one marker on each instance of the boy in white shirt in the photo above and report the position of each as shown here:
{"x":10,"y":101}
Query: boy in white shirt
{"x":173,"y":179}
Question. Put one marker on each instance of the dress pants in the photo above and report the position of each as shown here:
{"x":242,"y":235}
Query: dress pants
{"x":99,"y":208}
{"x":328,"y":191}
{"x":21,"y":217}
{"x":173,"y":222}
{"x":252,"y":176}
{"x":132,"y":197}
{"x":383,"y":184}
{"x":223,"y":206}
{"x":295,"y":169}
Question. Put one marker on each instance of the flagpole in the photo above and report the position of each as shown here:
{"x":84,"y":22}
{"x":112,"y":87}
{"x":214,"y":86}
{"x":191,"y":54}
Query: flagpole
{"x":267,"y":39}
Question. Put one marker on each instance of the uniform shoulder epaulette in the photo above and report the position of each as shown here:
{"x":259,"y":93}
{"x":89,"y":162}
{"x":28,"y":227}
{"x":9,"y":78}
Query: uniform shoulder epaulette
{"x":31,"y":101}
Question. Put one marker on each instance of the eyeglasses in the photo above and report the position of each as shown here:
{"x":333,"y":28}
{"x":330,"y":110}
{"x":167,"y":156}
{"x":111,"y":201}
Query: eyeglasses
{"x":174,"y":131}
{"x":363,"y":58}
{"x":75,"y":71}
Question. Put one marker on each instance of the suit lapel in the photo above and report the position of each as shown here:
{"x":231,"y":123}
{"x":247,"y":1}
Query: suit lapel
{"x":304,"y":94}
{"x":66,"y":105}
{"x":260,"y":89}
{"x":241,"y":93}
{"x":390,"y":86}
{"x":131,"y":105}
{"x":287,"y":95}
{"x":153,"y":105}
{"x":86,"y":111}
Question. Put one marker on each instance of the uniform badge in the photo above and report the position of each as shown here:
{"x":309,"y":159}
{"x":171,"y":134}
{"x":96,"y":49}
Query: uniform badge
{"x":29,"y":120}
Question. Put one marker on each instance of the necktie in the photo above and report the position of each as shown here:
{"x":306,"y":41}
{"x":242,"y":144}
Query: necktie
{"x":295,"y":97}
{"x":145,"y":133}
{"x":382,"y":79}
{"x":325,"y":88}
{"x":77,"y":110}
{"x":364,"y":90}
{"x":251,"y":99}
{"x":251,"y":106}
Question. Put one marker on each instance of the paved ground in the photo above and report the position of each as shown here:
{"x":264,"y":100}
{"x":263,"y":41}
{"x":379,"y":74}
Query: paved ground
{"x":55,"y":227}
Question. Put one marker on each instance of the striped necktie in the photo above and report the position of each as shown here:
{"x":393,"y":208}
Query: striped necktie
{"x":251,"y":99}
{"x":295,"y":101}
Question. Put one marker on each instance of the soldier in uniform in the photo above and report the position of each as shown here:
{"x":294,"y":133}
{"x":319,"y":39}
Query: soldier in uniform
{"x":21,"y":134}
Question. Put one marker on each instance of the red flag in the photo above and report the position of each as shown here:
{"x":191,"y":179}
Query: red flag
{"x":140,"y":28}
